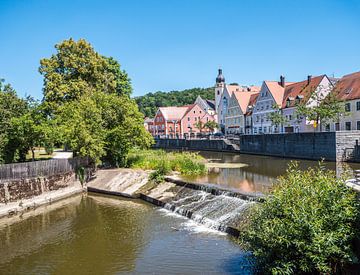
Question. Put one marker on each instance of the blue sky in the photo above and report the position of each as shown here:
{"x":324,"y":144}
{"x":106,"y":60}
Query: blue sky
{"x":171,"y":45}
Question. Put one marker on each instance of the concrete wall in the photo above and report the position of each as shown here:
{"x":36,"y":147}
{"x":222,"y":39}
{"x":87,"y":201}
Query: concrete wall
{"x":15,"y":190}
{"x":296,"y":145}
{"x":331,"y":146}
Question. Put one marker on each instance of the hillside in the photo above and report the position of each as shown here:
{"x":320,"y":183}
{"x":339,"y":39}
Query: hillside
{"x":149,"y":103}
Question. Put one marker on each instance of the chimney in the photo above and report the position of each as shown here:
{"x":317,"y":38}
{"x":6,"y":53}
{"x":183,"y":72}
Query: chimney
{"x":309,"y":79}
{"x":282,"y":81}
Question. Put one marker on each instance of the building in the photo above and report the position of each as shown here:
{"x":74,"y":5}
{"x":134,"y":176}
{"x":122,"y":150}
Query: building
{"x":180,"y":122}
{"x":223,"y":93}
{"x":348,"y":89}
{"x":149,"y":125}
{"x":167,"y":122}
{"x":206,"y":104}
{"x":235,"y":115}
{"x":309,"y":92}
{"x":271,"y":94}
{"x":248,"y":114}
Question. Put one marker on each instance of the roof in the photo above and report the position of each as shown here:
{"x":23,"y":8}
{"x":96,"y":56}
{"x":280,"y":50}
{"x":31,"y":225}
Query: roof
{"x":349,"y":87}
{"x":276,"y":90}
{"x":210,"y":103}
{"x":301,"y":89}
{"x":252,"y":102}
{"x":243,"y":99}
{"x":237,"y":88}
{"x":174,"y":113}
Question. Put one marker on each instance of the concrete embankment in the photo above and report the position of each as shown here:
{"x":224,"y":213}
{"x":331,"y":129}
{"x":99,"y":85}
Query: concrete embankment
{"x":330,"y":146}
{"x":216,"y":207}
{"x":20,"y":196}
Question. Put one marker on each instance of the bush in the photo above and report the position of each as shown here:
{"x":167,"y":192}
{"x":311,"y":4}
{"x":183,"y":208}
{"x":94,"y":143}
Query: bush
{"x":185,"y":162}
{"x":307,"y":225}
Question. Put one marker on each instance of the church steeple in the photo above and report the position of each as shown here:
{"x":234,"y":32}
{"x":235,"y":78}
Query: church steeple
{"x":220,"y":78}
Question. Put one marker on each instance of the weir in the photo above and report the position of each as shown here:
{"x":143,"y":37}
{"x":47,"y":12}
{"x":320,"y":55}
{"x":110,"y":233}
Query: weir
{"x":216,"y":208}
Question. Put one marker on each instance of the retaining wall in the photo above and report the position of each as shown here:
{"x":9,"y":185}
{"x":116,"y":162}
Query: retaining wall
{"x":331,"y":146}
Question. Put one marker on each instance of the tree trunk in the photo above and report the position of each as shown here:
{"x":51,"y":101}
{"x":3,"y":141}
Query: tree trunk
{"x":33,"y":153}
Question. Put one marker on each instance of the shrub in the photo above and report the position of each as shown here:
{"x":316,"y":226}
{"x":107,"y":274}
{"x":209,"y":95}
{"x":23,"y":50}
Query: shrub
{"x":186,"y":163}
{"x":307,"y":225}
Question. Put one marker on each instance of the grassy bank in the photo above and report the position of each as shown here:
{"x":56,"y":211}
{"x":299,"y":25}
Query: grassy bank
{"x":186,"y":163}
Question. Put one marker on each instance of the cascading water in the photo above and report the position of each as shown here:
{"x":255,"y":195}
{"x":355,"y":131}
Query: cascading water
{"x":214,"y":211}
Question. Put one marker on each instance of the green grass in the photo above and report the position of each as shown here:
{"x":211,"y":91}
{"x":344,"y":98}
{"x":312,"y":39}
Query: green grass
{"x":40,"y":154}
{"x":186,"y":163}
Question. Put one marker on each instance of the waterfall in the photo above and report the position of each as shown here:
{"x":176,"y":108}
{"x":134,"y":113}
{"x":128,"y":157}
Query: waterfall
{"x":214,"y":211}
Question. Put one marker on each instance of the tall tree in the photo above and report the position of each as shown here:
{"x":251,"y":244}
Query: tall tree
{"x":75,"y":70}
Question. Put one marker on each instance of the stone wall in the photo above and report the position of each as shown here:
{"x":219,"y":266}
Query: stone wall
{"x":331,"y":146}
{"x":15,"y":190}
{"x":295,"y":145}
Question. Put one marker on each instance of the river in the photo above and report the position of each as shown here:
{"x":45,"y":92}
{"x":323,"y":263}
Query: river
{"x":258,"y":174}
{"x":90,"y":234}
{"x":93,"y":234}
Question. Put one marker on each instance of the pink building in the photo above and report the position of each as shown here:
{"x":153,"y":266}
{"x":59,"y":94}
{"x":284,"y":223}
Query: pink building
{"x":180,"y":122}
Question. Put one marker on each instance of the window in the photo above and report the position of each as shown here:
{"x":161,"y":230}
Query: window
{"x":195,"y":119}
{"x":290,"y":117}
{"x":347,"y":107}
{"x":188,"y":118}
{"x":337,"y":126}
{"x":358,"y":106}
{"x":287,"y":102}
{"x":327,"y":128}
{"x":265,"y":130}
{"x":357,"y":125}
{"x":194,"y":112}
{"x":347,"y":126}
{"x":218,"y":92}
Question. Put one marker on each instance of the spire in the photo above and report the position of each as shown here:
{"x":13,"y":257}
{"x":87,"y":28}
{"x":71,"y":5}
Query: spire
{"x":220,"y":78}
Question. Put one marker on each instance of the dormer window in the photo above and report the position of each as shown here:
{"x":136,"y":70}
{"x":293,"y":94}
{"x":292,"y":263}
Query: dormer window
{"x":288,"y":102}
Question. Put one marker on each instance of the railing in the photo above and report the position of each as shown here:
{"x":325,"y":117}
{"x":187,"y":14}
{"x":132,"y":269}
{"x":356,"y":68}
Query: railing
{"x":41,"y":168}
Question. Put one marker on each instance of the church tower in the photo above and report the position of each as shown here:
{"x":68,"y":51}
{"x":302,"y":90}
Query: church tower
{"x":219,"y":89}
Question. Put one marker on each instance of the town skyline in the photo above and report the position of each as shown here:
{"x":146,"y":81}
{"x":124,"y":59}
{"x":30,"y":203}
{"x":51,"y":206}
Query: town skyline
{"x":169,"y":48}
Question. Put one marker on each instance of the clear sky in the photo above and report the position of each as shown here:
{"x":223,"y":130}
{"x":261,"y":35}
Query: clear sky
{"x":171,"y":45}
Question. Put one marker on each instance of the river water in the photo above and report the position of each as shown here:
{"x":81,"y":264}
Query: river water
{"x":90,"y":234}
{"x":258,"y":174}
{"x":105,"y":235}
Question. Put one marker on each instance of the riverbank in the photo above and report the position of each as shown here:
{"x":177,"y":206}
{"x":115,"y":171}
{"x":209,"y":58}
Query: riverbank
{"x":330,"y":146}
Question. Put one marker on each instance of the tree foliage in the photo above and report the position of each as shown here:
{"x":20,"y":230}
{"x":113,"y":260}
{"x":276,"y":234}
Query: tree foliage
{"x":324,"y":108}
{"x":307,"y":225}
{"x":149,"y":103}
{"x":276,"y":117}
{"x":88,"y":96}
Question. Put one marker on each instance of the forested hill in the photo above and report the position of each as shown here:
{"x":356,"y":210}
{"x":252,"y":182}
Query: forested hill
{"x":149,"y":103}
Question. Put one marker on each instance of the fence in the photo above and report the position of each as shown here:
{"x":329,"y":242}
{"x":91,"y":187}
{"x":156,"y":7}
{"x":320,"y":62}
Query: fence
{"x":41,"y":168}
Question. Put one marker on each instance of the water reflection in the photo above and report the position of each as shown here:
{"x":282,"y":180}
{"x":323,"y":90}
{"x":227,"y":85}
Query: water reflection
{"x":106,"y":235}
{"x":258,"y":175}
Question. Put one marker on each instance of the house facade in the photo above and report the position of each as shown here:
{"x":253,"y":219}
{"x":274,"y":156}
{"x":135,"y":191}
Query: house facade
{"x":270,"y":95}
{"x":309,"y":92}
{"x":348,"y":89}
{"x":167,"y":122}
{"x":235,"y":115}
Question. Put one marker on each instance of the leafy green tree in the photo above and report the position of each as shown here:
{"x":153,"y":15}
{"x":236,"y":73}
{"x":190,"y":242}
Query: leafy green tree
{"x":11,"y":106}
{"x":200,"y":126}
{"x":324,"y":108}
{"x":76,"y":70}
{"x":211,"y":125}
{"x":123,"y":84}
{"x":276,"y":117}
{"x":307,"y":225}
{"x":88,"y":97}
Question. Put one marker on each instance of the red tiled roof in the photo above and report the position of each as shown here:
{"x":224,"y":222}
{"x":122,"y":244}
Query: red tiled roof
{"x":302,"y":89}
{"x":243,"y":99}
{"x":348,"y":87}
{"x":252,"y":101}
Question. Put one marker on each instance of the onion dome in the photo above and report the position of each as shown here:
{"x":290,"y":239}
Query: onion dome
{"x":220,"y":78}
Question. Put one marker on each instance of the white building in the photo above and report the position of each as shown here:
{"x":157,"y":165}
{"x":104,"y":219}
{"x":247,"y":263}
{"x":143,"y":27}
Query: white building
{"x":310,"y":92}
{"x":271,"y":94}
{"x":348,"y":88}
{"x":223,"y":93}
{"x":235,"y":115}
